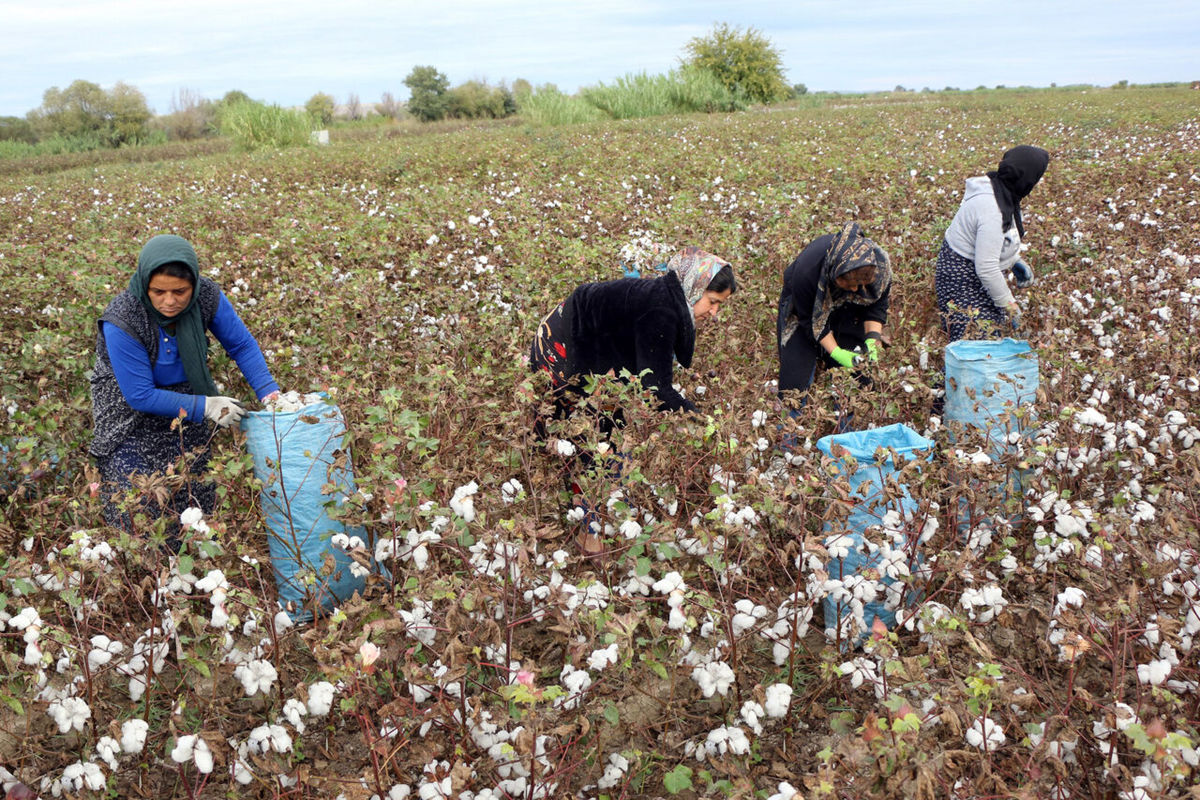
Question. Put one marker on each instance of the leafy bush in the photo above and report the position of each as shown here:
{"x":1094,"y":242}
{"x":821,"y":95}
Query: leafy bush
{"x":477,"y":100}
{"x":253,"y":125}
{"x":744,"y":61}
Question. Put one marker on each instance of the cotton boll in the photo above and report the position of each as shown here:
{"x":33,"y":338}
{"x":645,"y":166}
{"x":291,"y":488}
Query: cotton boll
{"x":69,"y":713}
{"x":985,"y":733}
{"x":133,"y":735}
{"x":752,"y":714}
{"x":184,"y":749}
{"x":778,"y":699}
{"x":256,"y":676}
{"x":603,"y":657}
{"x":1154,"y":673}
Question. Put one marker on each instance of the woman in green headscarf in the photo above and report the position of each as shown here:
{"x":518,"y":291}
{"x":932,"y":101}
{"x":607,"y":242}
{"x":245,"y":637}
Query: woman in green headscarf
{"x":152,"y":369}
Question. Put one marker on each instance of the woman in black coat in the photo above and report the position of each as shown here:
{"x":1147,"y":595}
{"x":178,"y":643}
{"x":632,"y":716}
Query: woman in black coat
{"x":632,"y":324}
{"x":834,"y":303}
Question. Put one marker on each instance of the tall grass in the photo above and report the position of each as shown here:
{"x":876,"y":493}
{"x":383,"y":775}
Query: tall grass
{"x":253,"y":125}
{"x":53,"y":145}
{"x":636,"y":95}
{"x":548,"y":106}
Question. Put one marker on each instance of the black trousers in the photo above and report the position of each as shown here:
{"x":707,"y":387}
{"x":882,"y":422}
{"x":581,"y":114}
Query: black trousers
{"x":799,"y":358}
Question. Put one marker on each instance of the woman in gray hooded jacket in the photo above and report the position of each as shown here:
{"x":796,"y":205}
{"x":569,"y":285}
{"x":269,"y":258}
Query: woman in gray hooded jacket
{"x":983,"y":242}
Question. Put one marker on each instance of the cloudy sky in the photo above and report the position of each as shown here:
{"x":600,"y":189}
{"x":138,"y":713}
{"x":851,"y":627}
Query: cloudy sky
{"x":284,"y":51}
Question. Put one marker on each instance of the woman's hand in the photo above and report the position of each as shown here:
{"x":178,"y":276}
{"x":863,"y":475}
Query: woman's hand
{"x":843,"y":357}
{"x":225,"y":411}
{"x":1023,"y":273}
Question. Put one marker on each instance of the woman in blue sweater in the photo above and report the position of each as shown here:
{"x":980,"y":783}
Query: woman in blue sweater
{"x":152,"y":369}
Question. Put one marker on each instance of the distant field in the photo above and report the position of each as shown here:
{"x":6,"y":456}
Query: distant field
{"x":406,"y":274}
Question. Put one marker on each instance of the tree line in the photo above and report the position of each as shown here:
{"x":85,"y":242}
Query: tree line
{"x":86,"y":115}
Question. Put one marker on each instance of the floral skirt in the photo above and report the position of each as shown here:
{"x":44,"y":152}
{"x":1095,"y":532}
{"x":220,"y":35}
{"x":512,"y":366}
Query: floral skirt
{"x":963,"y":303}
{"x":148,"y":452}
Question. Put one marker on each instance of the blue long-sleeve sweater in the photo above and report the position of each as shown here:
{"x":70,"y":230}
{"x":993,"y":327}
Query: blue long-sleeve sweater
{"x":140,"y":380}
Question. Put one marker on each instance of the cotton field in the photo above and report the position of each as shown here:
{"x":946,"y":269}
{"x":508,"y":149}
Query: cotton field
{"x":1047,"y":596}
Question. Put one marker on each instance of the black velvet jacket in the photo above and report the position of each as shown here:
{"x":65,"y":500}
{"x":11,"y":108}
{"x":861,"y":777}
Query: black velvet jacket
{"x":632,"y":324}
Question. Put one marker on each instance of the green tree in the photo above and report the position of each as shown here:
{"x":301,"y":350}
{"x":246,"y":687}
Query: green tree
{"x":320,"y":107}
{"x":129,"y":115}
{"x":16,"y":129}
{"x":745,"y":61}
{"x":85,"y":111}
{"x":234,"y":96}
{"x":428,"y":89}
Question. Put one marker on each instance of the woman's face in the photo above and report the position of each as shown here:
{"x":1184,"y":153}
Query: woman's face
{"x":853,"y":281}
{"x":708,"y":305}
{"x":169,"y":295}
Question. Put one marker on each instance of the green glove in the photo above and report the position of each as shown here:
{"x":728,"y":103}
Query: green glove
{"x":873,"y":346}
{"x":843,"y":357}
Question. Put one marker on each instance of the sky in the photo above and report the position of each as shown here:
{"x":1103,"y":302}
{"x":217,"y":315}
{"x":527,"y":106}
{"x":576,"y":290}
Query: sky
{"x":284,"y":51}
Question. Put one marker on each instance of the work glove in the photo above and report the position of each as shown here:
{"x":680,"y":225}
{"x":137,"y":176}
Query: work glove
{"x":873,"y":346}
{"x":844,"y":357}
{"x":1014,"y":316}
{"x":225,"y":411}
{"x":1023,"y":273}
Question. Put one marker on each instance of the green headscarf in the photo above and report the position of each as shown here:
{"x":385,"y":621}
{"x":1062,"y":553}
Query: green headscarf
{"x":189,"y":323}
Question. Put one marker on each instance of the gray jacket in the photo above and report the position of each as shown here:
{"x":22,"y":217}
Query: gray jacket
{"x":975,"y":233}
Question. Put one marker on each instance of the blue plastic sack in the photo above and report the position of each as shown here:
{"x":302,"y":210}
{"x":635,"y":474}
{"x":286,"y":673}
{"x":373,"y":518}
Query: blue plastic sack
{"x":299,"y":458}
{"x":986,"y":380}
{"x":867,"y":480}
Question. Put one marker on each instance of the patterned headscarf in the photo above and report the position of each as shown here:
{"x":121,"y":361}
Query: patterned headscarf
{"x":695,"y":269}
{"x":848,"y":251}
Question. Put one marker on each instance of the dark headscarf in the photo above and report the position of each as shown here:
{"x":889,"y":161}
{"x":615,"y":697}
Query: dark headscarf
{"x":1020,"y":170}
{"x":189,"y":324}
{"x":848,"y":251}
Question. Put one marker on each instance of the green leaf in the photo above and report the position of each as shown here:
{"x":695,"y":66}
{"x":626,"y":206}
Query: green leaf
{"x":678,"y":780}
{"x":199,"y":666}
{"x":611,"y":714}
{"x":643,"y":567}
{"x":186,"y":562}
{"x":13,"y":703}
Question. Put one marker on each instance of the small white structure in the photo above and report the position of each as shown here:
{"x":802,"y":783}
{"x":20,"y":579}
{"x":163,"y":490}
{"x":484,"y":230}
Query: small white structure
{"x":320,"y":137}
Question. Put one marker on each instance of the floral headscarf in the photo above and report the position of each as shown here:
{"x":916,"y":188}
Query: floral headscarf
{"x":695,"y":269}
{"x":848,"y":251}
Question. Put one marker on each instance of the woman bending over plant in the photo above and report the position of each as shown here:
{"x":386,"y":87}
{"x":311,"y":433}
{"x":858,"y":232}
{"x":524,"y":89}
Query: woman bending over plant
{"x":633,"y":324}
{"x":152,"y":369}
{"x":982,"y":243}
{"x":834,"y":302}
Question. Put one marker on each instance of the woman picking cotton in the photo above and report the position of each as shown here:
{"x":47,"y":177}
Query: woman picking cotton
{"x":832,"y":309}
{"x":634,"y":324}
{"x":983,"y":243}
{"x":152,"y":369}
